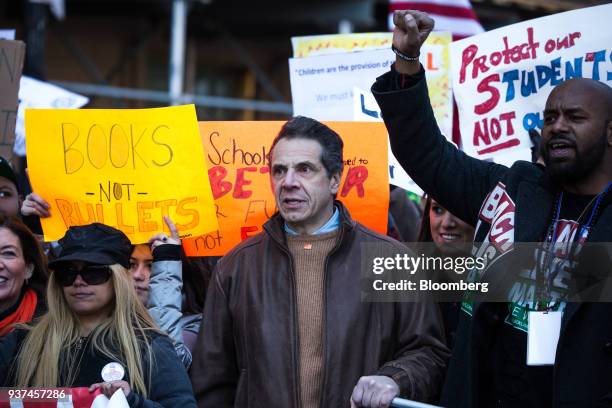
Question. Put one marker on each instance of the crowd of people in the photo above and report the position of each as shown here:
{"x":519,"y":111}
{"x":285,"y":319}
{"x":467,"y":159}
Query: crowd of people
{"x":280,"y":320}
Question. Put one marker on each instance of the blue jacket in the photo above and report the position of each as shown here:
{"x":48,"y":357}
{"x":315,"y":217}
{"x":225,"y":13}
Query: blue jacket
{"x":165,"y":303}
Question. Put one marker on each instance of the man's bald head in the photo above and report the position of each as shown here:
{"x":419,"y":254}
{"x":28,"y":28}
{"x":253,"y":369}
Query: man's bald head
{"x":590,"y":89}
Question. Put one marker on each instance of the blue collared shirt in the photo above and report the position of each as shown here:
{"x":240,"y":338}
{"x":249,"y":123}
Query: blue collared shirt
{"x":332,"y":224}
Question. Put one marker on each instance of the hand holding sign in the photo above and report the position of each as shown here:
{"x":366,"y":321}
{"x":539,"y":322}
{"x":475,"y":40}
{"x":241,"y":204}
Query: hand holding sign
{"x":162,"y":239}
{"x":35,"y":205}
{"x":109,"y":388}
{"x":411,"y":30}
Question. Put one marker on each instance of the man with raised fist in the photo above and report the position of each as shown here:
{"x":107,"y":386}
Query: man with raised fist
{"x":563,"y":207}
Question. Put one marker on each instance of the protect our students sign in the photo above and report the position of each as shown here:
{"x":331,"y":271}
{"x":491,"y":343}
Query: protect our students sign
{"x":501,"y":78}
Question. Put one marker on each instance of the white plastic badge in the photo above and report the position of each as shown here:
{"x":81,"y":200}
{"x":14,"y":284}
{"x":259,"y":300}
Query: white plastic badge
{"x":542,"y":337}
{"x":112,"y":372}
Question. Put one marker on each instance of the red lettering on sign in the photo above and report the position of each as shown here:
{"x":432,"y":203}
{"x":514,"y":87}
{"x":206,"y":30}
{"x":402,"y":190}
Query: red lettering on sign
{"x":505,"y":145}
{"x":466,"y":59}
{"x":485,"y":86}
{"x":245,"y":232}
{"x":490,"y":130}
{"x":355,"y":177}
{"x":239,"y":192}
{"x":219,"y":187}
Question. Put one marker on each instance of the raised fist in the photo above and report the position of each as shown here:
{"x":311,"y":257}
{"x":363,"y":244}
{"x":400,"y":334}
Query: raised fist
{"x":412,"y":28}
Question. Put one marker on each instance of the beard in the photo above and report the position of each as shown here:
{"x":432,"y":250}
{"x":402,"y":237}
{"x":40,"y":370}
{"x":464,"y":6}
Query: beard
{"x":580,"y":166}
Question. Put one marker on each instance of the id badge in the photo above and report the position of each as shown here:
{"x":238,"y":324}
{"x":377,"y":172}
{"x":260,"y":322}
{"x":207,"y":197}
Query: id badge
{"x":542,"y":337}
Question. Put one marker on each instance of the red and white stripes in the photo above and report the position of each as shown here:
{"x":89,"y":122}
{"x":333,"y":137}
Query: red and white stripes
{"x":455,"y":16}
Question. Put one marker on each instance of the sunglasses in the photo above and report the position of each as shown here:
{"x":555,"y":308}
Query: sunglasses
{"x":91,"y":274}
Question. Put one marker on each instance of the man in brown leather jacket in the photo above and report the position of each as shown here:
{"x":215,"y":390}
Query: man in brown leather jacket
{"x":284,"y":321}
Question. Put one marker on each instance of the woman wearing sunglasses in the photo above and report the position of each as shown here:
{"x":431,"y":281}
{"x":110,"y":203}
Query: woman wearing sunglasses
{"x":96,"y":334}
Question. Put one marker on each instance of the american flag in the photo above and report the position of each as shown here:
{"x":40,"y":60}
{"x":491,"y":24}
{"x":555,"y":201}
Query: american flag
{"x":455,"y":16}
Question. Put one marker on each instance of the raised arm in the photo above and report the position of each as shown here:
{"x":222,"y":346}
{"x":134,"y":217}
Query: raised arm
{"x":457,"y":181}
{"x":165,"y":288}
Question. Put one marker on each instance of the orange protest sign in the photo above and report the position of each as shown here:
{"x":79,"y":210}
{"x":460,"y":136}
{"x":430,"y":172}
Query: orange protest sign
{"x":237,"y":157}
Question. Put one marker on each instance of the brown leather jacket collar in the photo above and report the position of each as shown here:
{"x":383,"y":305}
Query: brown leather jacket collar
{"x":275,"y":226}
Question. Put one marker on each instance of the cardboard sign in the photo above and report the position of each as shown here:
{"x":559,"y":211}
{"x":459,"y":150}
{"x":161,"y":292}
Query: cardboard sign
{"x":12,"y":54}
{"x":322,"y":86}
{"x":124,"y":168}
{"x":238,"y":162}
{"x":502,"y":78}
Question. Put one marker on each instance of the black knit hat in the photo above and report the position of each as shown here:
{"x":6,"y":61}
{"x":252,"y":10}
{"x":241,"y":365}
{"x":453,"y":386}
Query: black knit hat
{"x":96,"y":244}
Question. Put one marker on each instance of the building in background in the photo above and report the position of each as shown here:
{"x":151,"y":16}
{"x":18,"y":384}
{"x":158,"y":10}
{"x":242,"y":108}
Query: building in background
{"x":235,"y":51}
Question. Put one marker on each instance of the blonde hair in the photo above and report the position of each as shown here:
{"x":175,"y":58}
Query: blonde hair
{"x":121,"y":338}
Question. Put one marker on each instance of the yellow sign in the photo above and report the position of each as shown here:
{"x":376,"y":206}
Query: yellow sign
{"x":314,"y":45}
{"x":123,"y":168}
{"x":435,"y":58}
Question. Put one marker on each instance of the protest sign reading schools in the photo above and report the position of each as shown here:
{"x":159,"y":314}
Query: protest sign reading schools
{"x":11,"y":63}
{"x":502,"y":78}
{"x":238,"y":167}
{"x":124,"y":168}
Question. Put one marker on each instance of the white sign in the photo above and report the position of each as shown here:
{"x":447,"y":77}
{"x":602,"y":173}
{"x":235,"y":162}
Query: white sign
{"x":117,"y":400}
{"x":365,"y":109}
{"x":322,"y":86}
{"x":7,"y":35}
{"x":502,"y":78}
{"x":37,"y":94}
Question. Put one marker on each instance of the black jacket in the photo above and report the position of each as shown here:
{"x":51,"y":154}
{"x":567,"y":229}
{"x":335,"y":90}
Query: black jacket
{"x":168,"y":386}
{"x":247,"y":350}
{"x":462,"y":184}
